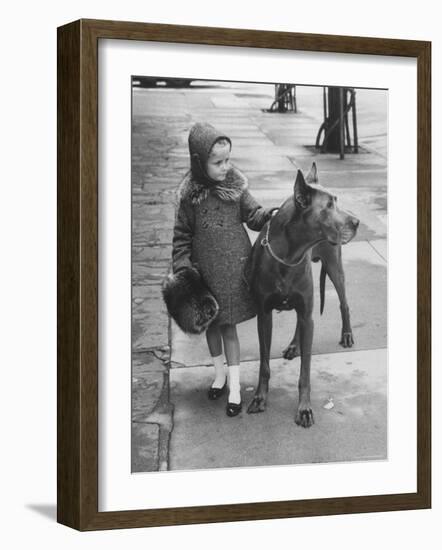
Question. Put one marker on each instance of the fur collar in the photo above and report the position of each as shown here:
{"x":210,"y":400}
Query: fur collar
{"x":228,"y":190}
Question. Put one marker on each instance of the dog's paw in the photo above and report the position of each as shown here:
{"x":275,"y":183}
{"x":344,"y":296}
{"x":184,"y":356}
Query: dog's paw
{"x":347,"y":340}
{"x":304,"y":418}
{"x":257,"y":405}
{"x":290,"y":352}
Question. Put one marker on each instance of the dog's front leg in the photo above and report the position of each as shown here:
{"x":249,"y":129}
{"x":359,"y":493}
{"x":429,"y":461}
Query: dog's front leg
{"x":304,"y":415}
{"x":259,"y":402}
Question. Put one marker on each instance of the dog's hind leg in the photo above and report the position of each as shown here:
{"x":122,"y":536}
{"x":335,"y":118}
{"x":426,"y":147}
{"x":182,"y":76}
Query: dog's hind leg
{"x":335,"y":271}
{"x":292,"y":350}
{"x":259,"y":402}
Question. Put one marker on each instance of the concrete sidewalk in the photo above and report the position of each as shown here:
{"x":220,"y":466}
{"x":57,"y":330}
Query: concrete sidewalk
{"x":354,"y":429}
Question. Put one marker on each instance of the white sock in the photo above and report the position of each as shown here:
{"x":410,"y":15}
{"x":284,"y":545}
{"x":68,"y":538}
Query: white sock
{"x":234,"y":385}
{"x":220,"y":374}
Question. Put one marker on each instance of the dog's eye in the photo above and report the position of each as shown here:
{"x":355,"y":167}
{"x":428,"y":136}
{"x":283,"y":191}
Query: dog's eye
{"x":330,"y":203}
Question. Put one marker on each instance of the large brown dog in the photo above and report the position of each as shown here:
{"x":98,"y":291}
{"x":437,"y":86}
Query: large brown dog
{"x":308,"y":226}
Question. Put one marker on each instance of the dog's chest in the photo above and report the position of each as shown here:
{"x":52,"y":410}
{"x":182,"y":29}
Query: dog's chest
{"x":284,"y":297}
{"x":287,"y":292}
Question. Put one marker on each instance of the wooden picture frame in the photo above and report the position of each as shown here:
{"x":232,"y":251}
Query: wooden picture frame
{"x":77,"y":224}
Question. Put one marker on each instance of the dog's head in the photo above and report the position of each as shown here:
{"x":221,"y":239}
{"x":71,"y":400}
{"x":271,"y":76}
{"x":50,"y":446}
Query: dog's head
{"x":319,"y":210}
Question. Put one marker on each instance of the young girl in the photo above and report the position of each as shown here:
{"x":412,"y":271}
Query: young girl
{"x":213,"y":204}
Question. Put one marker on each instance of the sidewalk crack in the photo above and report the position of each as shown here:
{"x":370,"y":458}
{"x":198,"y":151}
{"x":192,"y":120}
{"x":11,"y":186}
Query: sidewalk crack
{"x":377,"y":251}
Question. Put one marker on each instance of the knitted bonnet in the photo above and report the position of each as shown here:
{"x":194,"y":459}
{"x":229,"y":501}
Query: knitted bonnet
{"x":202,"y":136}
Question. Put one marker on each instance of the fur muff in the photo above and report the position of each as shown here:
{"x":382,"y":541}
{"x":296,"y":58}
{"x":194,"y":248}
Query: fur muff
{"x":189,"y":302}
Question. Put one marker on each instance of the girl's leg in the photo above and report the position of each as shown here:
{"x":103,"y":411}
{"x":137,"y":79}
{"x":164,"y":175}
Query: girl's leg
{"x":232,"y":351}
{"x":214,"y":341}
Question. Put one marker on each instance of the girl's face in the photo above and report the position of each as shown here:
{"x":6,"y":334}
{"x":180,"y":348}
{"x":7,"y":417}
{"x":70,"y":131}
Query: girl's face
{"x":219,"y":162}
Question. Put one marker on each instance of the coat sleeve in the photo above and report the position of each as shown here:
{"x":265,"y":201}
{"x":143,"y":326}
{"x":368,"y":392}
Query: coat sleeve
{"x":252,"y":213}
{"x":182,"y":238}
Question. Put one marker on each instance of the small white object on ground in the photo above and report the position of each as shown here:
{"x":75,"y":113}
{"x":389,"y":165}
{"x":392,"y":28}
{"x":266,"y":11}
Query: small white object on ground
{"x":329,"y":405}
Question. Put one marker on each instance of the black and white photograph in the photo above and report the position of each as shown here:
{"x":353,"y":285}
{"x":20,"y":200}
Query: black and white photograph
{"x":259,"y":274}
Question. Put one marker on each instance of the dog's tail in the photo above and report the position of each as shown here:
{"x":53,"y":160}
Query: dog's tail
{"x":322,"y":277}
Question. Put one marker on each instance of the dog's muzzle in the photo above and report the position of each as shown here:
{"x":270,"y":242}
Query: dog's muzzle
{"x":349,"y":230}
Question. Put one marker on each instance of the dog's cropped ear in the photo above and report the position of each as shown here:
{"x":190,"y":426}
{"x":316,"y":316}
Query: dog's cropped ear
{"x":301,"y":191}
{"x":312,"y":176}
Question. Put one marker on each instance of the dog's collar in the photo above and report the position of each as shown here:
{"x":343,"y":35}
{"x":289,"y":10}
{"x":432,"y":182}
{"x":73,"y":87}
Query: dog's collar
{"x":265,"y":243}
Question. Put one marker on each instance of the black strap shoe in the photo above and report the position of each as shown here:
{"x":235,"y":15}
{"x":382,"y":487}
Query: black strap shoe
{"x":216,"y":393}
{"x":233,"y":409}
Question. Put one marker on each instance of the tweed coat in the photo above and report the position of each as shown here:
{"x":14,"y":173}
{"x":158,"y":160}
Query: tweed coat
{"x":209,"y":235}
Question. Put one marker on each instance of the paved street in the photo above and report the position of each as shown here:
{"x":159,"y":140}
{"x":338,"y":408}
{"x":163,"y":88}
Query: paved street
{"x":171,"y":416}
